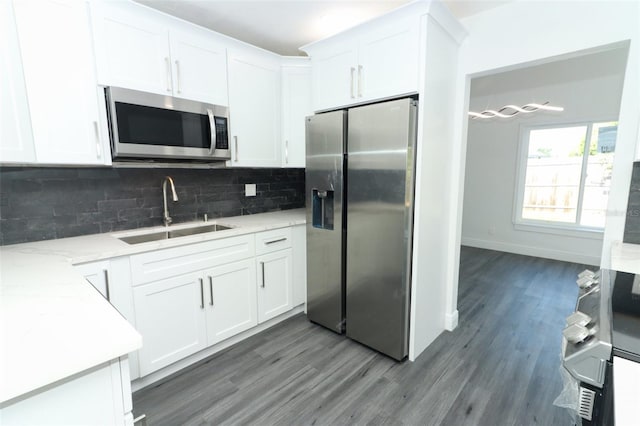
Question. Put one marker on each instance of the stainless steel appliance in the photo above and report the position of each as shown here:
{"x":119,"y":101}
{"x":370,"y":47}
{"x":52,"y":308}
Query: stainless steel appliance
{"x":149,"y":126}
{"x":360,"y":191}
{"x":604,"y":326}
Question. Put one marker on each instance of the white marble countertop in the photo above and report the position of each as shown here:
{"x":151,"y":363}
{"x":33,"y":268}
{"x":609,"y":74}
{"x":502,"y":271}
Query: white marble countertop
{"x":90,"y":248}
{"x":625,"y":257}
{"x":54,"y":324}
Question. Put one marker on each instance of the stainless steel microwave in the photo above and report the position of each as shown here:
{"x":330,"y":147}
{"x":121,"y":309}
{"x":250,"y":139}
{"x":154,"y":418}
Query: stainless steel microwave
{"x":156,"y":127}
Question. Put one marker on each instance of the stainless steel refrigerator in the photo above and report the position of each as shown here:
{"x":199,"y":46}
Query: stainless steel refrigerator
{"x":360,"y":191}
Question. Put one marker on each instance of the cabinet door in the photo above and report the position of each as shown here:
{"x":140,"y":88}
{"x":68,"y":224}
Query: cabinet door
{"x":231,"y":300}
{"x":112,"y":278}
{"x":199,"y":67}
{"x":274,"y":284}
{"x":132,"y":47}
{"x":95,"y":396}
{"x":334,"y":76}
{"x":170,"y":315}
{"x":296,"y":105}
{"x":55,"y":42}
{"x":388,"y":60}
{"x":97,"y":273}
{"x":16,"y":139}
{"x":254,"y":109}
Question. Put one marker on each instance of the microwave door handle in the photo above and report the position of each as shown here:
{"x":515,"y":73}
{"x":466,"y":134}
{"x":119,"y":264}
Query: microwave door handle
{"x":212,"y":125}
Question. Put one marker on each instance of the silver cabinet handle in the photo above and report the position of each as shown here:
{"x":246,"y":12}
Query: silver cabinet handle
{"x":235,"y":139}
{"x":360,"y":81}
{"x":178,"y":76}
{"x":168,"y":72}
{"x":353,"y":70}
{"x":276,"y":241}
{"x":286,"y":152}
{"x":106,"y":285}
{"x":262,"y":266}
{"x":211,"y":291}
{"x":98,"y":144}
{"x":212,"y":126}
{"x":201,"y":293}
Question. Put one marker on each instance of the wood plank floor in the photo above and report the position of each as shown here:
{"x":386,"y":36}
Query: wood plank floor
{"x":499,"y":367}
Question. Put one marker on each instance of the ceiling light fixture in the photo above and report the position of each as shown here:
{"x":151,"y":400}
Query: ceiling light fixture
{"x":508,"y":111}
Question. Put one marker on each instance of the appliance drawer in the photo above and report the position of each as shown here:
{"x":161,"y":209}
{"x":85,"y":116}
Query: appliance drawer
{"x":273,"y":240}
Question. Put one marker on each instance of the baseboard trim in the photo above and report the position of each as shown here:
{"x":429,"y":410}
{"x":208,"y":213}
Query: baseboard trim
{"x":165,"y":372}
{"x":532,"y":251}
{"x":451,"y":321}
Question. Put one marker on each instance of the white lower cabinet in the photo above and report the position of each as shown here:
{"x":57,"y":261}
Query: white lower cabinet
{"x":182,"y":315}
{"x":214,"y":290}
{"x":231,"y":300}
{"x":112,"y":278}
{"x":170,"y":315}
{"x":97,"y":273}
{"x":98,"y":396}
{"x":275,"y":273}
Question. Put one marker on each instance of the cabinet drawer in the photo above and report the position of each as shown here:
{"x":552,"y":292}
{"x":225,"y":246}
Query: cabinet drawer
{"x":162,"y":264}
{"x":274,"y":240}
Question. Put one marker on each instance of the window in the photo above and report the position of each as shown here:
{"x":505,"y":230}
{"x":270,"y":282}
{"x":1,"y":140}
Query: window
{"x":561,"y":183}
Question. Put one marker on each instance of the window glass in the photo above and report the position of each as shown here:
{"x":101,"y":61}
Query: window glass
{"x":598,"y":175}
{"x":564,"y":182}
{"x":554,"y":167}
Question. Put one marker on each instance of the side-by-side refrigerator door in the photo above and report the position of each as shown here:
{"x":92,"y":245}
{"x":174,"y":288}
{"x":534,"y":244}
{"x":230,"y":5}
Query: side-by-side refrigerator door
{"x":324,"y":175}
{"x":381,"y":143}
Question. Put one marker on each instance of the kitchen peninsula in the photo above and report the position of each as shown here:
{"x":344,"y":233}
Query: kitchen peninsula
{"x":57,"y":328}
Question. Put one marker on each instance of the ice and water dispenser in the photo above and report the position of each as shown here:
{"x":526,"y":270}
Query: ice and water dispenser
{"x":322,"y":209}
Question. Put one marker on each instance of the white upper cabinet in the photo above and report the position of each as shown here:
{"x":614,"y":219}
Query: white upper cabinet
{"x":388,"y":60}
{"x":141,"y":49}
{"x":254,"y":108}
{"x":296,"y":105}
{"x":132,"y":48}
{"x":64,"y":100}
{"x":334,"y":76}
{"x":377,"y":60}
{"x":199,"y":64}
{"x":16,"y":138}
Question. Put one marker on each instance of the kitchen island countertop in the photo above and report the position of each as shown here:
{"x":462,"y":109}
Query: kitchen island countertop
{"x":625,"y":257}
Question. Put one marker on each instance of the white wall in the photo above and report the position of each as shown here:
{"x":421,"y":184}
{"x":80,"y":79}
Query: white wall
{"x":534,"y":31}
{"x":428,"y":312}
{"x":589,"y":88}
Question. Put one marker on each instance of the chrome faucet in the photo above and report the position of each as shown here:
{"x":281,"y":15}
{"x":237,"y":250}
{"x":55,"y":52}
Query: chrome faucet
{"x":166,"y":218}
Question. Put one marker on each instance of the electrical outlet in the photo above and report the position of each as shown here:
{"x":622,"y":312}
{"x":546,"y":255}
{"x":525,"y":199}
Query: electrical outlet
{"x":492,"y":230}
{"x":250,"y":190}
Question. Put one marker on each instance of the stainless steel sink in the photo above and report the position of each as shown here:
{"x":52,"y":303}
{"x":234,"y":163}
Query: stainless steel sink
{"x":166,"y":235}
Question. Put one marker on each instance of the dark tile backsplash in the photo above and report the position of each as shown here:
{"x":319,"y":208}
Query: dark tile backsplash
{"x":47,"y":203}
{"x":632,"y":223}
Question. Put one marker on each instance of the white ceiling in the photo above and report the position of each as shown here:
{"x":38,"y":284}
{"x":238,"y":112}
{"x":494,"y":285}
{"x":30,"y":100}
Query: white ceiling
{"x":584,"y":66}
{"x":283,"y":26}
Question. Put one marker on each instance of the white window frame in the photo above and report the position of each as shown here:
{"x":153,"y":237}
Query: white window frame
{"x":551,"y":227}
